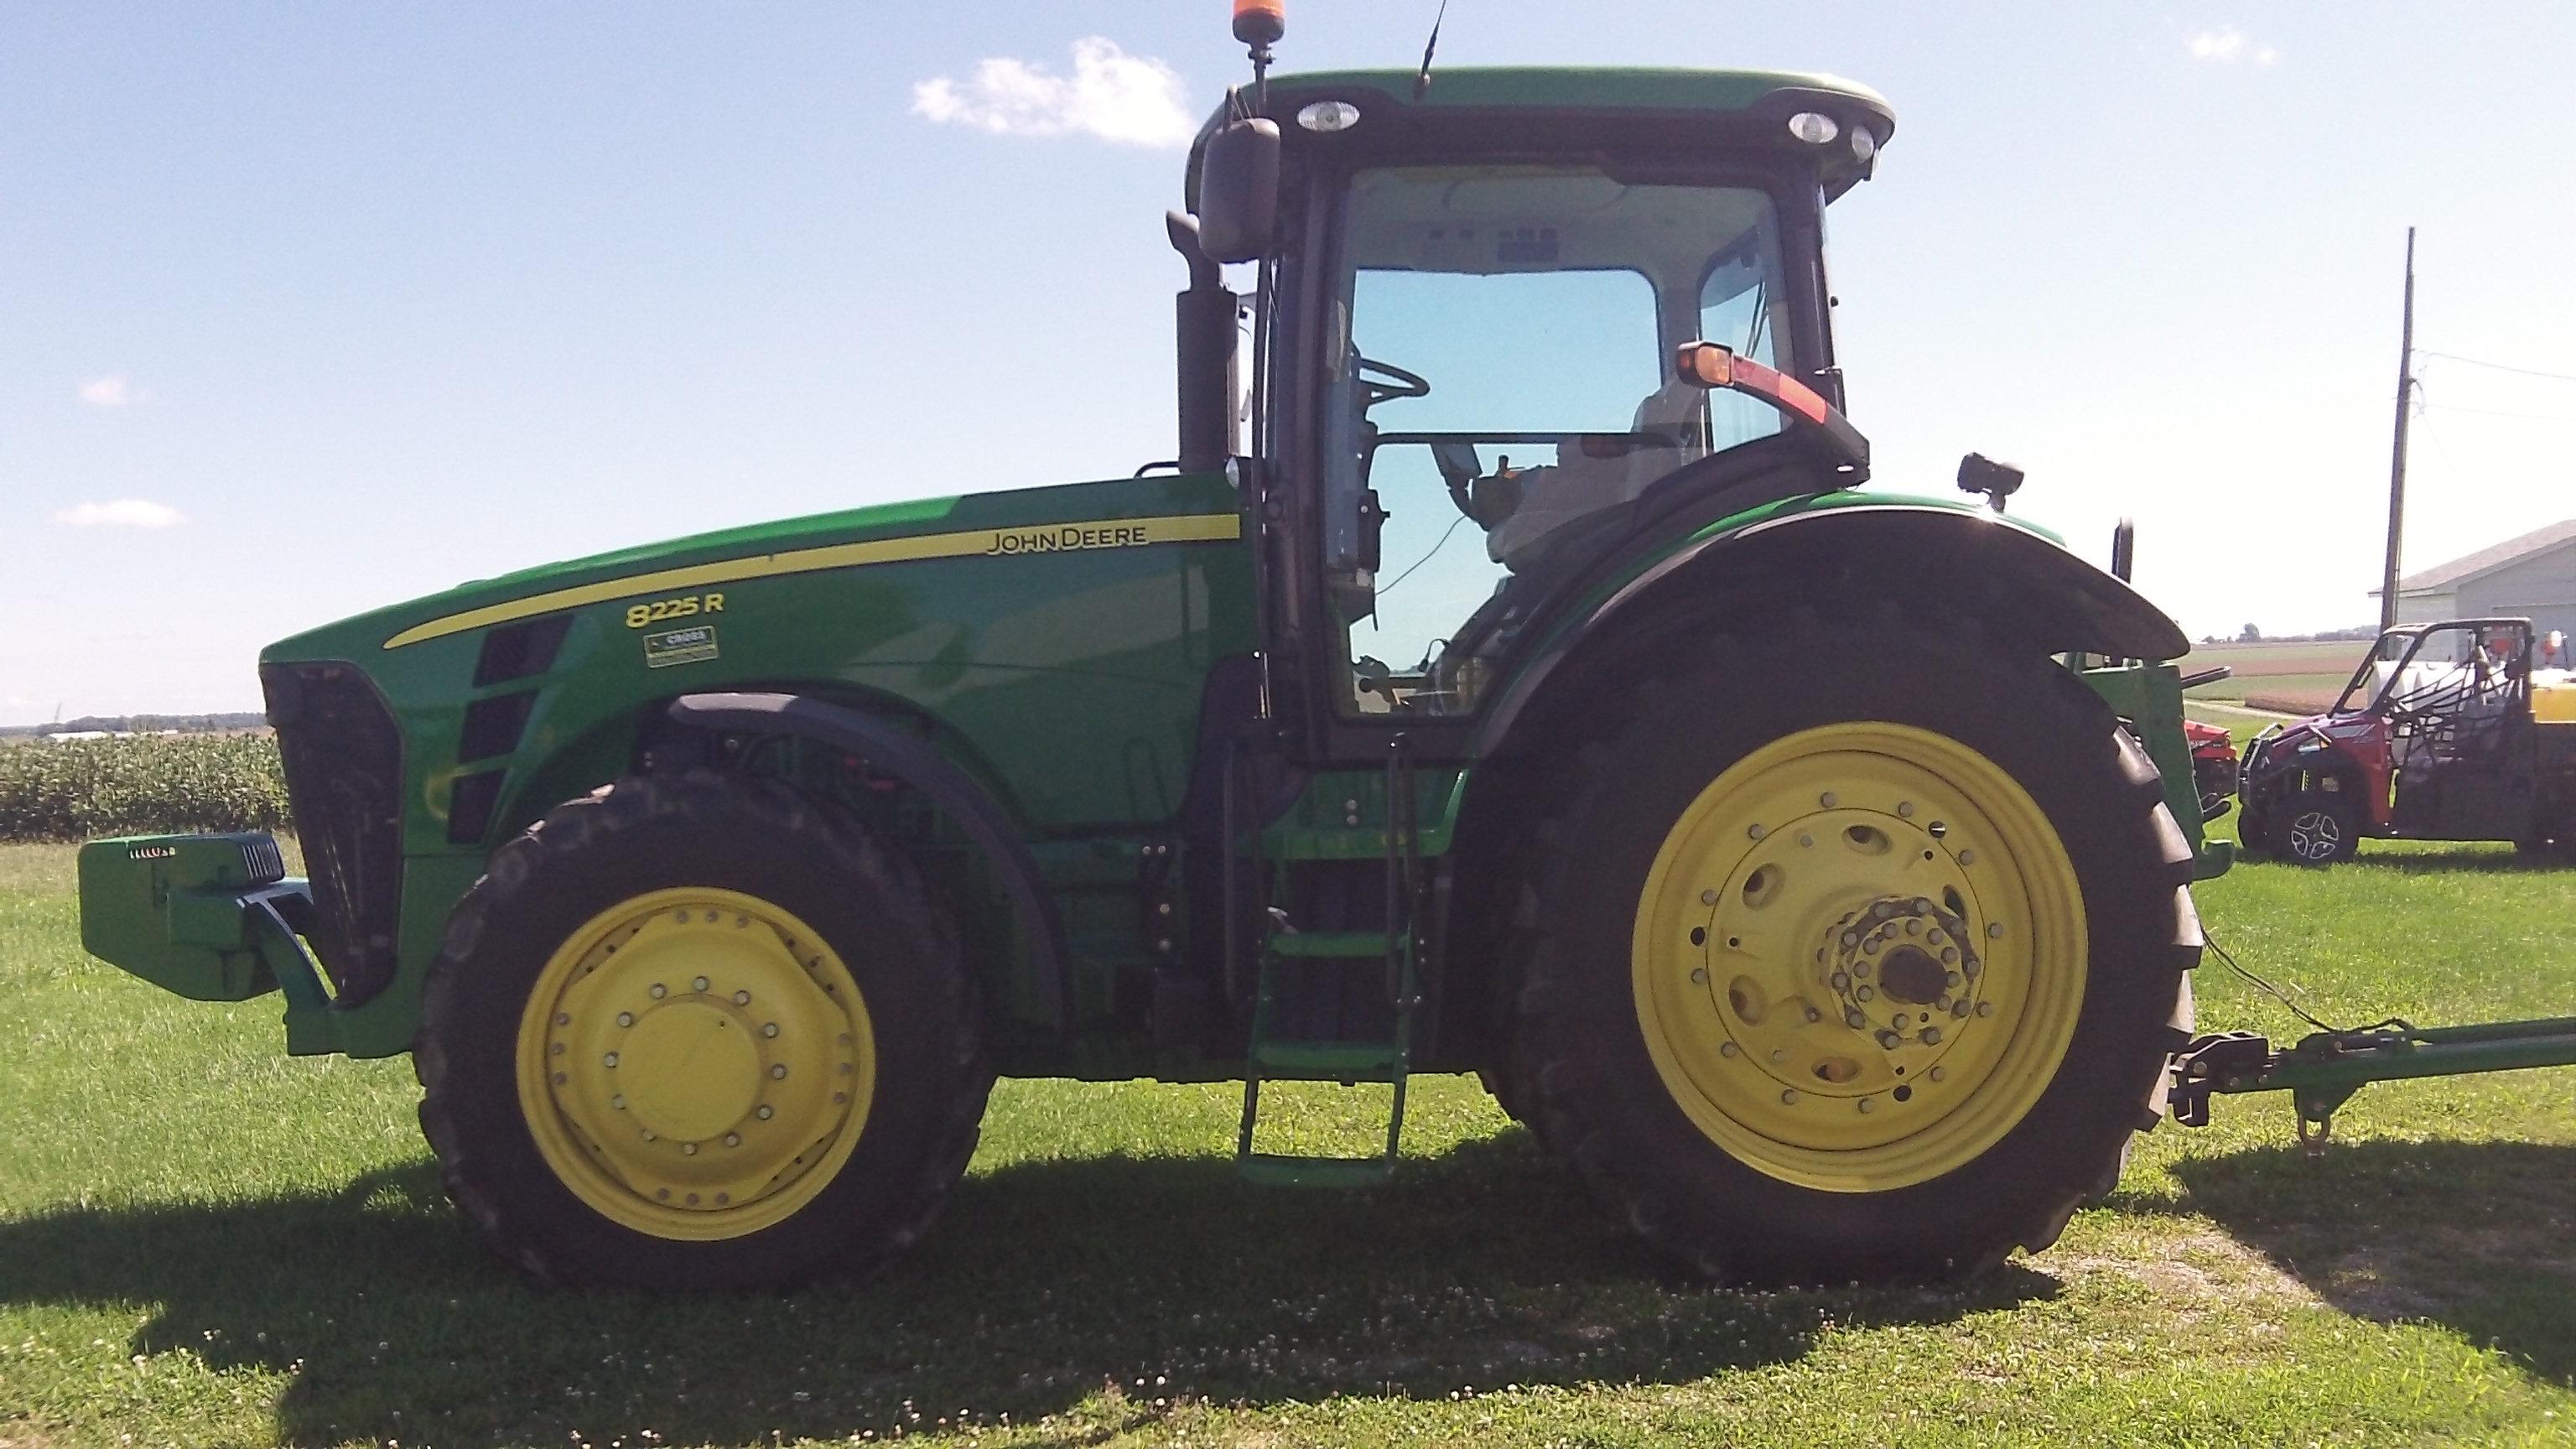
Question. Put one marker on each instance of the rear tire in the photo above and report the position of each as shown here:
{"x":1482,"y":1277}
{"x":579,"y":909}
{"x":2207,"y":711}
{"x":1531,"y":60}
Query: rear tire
{"x":1602,"y":1050}
{"x":779,"y":1075}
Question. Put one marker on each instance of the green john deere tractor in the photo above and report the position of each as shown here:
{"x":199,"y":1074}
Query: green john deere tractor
{"x":1525,"y":692}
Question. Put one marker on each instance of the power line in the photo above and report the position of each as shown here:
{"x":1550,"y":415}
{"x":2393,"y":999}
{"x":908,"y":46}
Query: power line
{"x":2498,"y":366}
{"x":2492,"y":413}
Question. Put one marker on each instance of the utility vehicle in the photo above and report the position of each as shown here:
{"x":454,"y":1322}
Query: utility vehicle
{"x":2446,"y":732}
{"x":1526,"y":691}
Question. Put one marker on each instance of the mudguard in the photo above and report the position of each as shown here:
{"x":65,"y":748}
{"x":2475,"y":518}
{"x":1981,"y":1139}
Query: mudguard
{"x":1970,"y":560}
{"x":890,"y":747}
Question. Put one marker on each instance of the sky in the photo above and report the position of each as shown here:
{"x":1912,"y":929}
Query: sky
{"x":306,"y":310}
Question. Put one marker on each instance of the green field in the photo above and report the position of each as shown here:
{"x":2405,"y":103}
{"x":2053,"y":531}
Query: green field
{"x":205,"y":1243}
{"x":2294,"y":678}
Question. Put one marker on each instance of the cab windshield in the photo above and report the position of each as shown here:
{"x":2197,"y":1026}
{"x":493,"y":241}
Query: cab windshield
{"x":1499,"y":373}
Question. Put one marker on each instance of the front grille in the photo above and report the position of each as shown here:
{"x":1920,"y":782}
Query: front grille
{"x":261,"y":863}
{"x":344,"y":774}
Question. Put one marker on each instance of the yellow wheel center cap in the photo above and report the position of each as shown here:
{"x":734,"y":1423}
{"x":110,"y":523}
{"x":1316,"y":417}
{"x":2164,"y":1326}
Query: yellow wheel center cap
{"x":690,"y":1070}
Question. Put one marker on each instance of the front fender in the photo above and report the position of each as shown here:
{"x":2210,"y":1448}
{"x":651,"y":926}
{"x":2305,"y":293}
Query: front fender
{"x":1965,"y":561}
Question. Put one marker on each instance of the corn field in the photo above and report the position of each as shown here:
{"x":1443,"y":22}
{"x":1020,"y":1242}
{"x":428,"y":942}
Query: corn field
{"x":143,"y":786}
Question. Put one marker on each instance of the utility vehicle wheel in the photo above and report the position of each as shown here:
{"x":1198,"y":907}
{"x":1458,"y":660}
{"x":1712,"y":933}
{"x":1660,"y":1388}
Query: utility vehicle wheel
{"x":2315,"y":828}
{"x":1860,"y":953}
{"x":698,"y":1032}
{"x":2253,"y":832}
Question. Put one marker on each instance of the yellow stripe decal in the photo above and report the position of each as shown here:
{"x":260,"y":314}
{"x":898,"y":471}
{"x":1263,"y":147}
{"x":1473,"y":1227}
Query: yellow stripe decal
{"x":1036,"y":538}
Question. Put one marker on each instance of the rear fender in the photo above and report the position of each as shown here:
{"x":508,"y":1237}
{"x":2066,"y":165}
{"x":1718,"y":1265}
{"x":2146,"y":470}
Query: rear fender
{"x":1965,"y":561}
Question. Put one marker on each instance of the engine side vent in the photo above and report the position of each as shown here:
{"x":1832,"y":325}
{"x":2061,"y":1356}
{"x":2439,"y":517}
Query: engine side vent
{"x":516,"y":651}
{"x":262,"y":864}
{"x":492,"y":726}
{"x":469,"y":808}
{"x":344,"y":773}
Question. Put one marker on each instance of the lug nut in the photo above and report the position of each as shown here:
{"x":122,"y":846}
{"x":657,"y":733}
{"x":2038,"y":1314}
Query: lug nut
{"x":1959,"y":1008}
{"x":1950,"y":979}
{"x":1708,"y":898}
{"x":609,"y":1060}
{"x":742,"y":998}
{"x":766,"y":1112}
{"x":1827,"y":800}
{"x":1931,"y":1036}
{"x":1806,"y":840}
{"x":1699,"y":977}
{"x":733,"y":1139}
{"x":1728,"y":1049}
{"x":1985,"y":1008}
{"x":1863,"y":994}
{"x":1994,"y":930}
{"x":626,"y":1018}
{"x":1905,"y":809}
{"x":657,"y":991}
{"x":1788,"y":1094}
{"x":1890,"y":1040}
{"x":1866,"y":1104}
{"x":1754,"y":832}
{"x":698,"y":985}
{"x":1855,"y":1020}
{"x":778,"y":1072}
{"x":769,"y":1029}
{"x":1841,"y":981}
{"x":1938,"y":1073}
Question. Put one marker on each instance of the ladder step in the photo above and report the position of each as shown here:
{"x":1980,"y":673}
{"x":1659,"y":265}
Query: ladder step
{"x":1328,"y":1061}
{"x":1324,"y":945}
{"x":1271,"y":1169}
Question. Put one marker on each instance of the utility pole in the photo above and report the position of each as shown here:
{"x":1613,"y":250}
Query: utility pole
{"x":2397,"y":448}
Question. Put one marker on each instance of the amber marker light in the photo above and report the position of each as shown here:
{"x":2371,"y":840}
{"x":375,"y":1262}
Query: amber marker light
{"x":1260,"y":22}
{"x":1713,"y":366}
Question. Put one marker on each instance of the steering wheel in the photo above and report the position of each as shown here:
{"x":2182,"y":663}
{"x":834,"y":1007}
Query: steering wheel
{"x":1403,"y":384}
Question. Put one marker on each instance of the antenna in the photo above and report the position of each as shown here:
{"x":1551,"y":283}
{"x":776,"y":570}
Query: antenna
{"x":1422,"y":77}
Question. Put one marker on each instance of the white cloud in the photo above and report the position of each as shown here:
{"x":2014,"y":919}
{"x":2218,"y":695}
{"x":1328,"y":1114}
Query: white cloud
{"x":109,"y":392}
{"x":1134,"y":100}
{"x":2227,"y":45}
{"x":123,"y":513}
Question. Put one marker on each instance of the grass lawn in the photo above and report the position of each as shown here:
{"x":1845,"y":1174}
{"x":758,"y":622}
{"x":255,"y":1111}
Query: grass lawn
{"x":204,"y":1242}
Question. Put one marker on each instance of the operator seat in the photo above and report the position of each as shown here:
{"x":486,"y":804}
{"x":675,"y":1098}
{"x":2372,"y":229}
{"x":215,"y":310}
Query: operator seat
{"x":1593,"y":471}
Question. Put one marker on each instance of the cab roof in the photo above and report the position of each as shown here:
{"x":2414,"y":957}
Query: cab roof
{"x":1622,"y":88}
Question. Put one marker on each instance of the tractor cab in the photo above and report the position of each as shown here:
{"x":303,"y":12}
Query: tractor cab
{"x":2434,"y":738}
{"x":1478,"y":303}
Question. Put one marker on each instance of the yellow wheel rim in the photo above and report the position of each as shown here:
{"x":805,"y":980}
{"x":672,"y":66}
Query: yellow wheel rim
{"x":696,"y":1064}
{"x":1859,"y":957}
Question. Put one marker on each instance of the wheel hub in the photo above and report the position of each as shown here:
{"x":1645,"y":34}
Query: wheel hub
{"x":1840,"y":956}
{"x":698,"y":1053}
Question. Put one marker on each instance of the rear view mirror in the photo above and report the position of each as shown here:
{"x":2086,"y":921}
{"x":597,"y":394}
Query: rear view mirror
{"x":1239,"y":191}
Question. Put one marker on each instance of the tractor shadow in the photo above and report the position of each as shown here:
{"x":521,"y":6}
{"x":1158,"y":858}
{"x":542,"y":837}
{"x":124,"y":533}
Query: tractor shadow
{"x":2460,"y":859}
{"x":2477,"y":1236}
{"x":1150,"y":1280}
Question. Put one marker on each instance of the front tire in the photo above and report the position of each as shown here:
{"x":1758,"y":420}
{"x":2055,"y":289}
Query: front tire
{"x":1860,"y":954}
{"x":2316,"y":827}
{"x":698,"y":1032}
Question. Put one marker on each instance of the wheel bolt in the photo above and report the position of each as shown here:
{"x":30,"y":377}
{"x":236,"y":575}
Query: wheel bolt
{"x":1699,"y":977}
{"x":742,"y":998}
{"x":1827,"y":800}
{"x":1950,"y":979}
{"x":1867,"y":1105}
{"x":1855,"y":1020}
{"x":563,"y":1018}
{"x":1967,"y":857}
{"x":1959,"y":1008}
{"x":1938,"y":1073}
{"x":609,"y":1060}
{"x":1994,"y":930}
{"x":778,"y":1072}
{"x":626,"y":1018}
{"x":1985,"y":1008}
{"x":1931,"y":1036}
{"x":1905,"y":809}
{"x":1805,"y":840}
{"x":698,"y":985}
{"x":1890,"y":1040}
{"x":1789,"y":1094}
{"x":770,"y":1029}
{"x":1708,"y":898}
{"x":1842,"y":981}
{"x":657,"y":991}
{"x":1972,"y":966}
{"x":618,"y":1101}
{"x":1863,"y":994}
{"x":1754,"y":832}
{"x":766,"y":1112}
{"x":1727,"y":1049}
{"x":688,"y":1149}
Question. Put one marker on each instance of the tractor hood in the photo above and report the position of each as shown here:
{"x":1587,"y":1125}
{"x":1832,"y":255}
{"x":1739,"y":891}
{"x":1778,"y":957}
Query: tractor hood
{"x":1113,"y":514}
